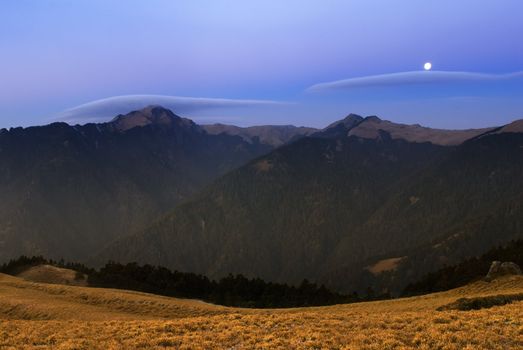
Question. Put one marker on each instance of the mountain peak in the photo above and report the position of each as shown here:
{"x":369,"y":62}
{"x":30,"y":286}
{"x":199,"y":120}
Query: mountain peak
{"x":150,"y":115}
{"x":353,"y":116}
{"x":340,"y":127}
{"x":349,"y":121}
{"x":373,"y":119}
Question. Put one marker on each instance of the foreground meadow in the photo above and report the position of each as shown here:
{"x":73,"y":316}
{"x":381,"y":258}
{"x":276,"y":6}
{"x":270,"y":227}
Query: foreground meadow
{"x":43,"y":316}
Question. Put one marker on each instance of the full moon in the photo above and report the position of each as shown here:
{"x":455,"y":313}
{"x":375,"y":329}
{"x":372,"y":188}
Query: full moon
{"x":427,"y":66}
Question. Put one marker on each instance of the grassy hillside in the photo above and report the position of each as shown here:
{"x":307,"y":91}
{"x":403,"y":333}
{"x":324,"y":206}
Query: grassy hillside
{"x":24,"y":300}
{"x":54,"y":275}
{"x":44,"y":316}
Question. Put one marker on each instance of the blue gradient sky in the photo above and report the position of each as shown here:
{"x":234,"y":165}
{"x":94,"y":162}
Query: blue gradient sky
{"x":56,"y":55}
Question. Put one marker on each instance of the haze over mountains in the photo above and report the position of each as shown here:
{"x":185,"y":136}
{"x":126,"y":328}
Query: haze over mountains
{"x":277,"y":202}
{"x":69,"y":190}
{"x":274,"y":135}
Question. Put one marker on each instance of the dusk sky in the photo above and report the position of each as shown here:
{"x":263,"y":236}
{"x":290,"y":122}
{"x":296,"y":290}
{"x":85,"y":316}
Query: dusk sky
{"x":263,"y":62}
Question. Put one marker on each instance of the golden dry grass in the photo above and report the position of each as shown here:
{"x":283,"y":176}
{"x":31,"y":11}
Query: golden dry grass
{"x":52,"y":274}
{"x":385,"y":265}
{"x":40,"y":316}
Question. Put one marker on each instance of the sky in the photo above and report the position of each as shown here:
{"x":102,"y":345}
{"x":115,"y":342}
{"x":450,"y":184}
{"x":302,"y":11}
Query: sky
{"x":262,"y":62}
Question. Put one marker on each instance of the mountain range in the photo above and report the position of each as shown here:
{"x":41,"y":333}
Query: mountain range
{"x":363,"y":202}
{"x":69,"y":190}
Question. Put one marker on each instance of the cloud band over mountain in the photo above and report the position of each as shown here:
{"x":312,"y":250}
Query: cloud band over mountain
{"x":411,"y":78}
{"x":104,"y":109}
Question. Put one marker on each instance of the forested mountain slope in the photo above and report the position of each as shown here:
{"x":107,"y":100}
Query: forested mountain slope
{"x":68,"y":190}
{"x":327,"y":206}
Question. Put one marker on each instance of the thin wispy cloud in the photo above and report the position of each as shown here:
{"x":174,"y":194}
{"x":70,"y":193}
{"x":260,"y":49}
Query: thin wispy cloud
{"x":105,"y":109}
{"x":412,"y":78}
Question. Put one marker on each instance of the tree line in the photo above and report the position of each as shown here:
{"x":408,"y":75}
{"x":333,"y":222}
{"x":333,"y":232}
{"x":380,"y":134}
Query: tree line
{"x":240,"y":291}
{"x":467,"y":271}
{"x":232,"y":290}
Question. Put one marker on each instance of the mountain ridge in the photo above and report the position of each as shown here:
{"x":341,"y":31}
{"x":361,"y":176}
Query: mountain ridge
{"x":274,"y":135}
{"x":372,"y":127}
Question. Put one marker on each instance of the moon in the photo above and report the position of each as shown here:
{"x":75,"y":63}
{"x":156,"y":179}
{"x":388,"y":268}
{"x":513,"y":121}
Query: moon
{"x":427,"y":66}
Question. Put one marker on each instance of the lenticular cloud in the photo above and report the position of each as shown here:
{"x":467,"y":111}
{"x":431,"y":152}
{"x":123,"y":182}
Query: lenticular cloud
{"x":411,"y":78}
{"x":104,"y":109}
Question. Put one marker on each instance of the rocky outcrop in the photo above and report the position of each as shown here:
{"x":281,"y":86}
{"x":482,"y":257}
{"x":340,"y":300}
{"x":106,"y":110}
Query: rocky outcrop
{"x":497,"y":269}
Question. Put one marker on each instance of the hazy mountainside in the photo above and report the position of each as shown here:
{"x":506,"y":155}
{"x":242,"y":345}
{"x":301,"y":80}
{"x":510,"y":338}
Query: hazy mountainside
{"x":462,"y":205}
{"x":273,"y":135}
{"x":325,"y":207}
{"x":280,"y":216}
{"x":68,"y":190}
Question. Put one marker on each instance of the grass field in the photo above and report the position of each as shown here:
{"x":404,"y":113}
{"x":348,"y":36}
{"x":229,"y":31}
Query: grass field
{"x":46,"y":316}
